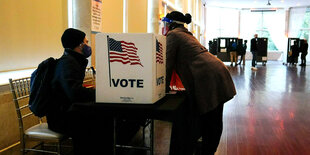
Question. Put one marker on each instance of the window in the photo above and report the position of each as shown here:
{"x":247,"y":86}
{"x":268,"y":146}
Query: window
{"x":305,"y":26}
{"x":221,"y":22}
{"x":300,"y":24}
{"x":269,"y":25}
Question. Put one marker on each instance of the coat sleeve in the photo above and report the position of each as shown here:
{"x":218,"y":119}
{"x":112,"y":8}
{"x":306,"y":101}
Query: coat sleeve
{"x":252,"y":45}
{"x":71,"y":80}
{"x":172,"y":47}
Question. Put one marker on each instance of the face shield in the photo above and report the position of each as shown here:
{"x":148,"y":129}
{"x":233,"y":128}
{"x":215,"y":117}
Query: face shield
{"x":166,"y":22}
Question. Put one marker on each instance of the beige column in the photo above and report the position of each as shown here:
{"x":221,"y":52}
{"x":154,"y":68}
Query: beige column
{"x":137,"y":16}
{"x":204,"y":24}
{"x":286,"y":32}
{"x":239,"y":22}
{"x":81,"y":19}
{"x":287,"y":21}
{"x":153,"y":16}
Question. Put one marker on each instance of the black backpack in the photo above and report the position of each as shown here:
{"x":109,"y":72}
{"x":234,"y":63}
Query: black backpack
{"x":41,"y":87}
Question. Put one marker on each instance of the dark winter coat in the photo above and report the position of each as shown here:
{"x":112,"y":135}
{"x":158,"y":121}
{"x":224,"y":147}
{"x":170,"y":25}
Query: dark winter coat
{"x":67,"y":86}
{"x":253,"y":45}
{"x":205,"y":78}
{"x":295,"y":51}
{"x":304,"y":49}
{"x":243,"y":49}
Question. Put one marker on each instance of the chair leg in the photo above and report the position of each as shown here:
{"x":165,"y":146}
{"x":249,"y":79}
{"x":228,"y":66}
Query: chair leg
{"x":42,"y":146}
{"x":58,"y":148}
{"x":22,"y":145}
{"x":114,"y":136}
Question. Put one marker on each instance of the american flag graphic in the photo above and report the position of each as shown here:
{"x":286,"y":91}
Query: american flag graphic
{"x":123,"y":52}
{"x":159,"y":52}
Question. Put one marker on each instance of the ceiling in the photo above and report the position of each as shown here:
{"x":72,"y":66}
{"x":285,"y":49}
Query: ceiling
{"x":256,"y":3}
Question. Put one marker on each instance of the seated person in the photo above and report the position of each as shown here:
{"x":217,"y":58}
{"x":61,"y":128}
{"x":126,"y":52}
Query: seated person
{"x":91,"y":132}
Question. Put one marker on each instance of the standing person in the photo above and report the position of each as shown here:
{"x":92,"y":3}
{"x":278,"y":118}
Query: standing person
{"x":208,"y":85}
{"x":304,"y":52}
{"x":233,"y":53}
{"x":211,"y":49}
{"x":89,"y":137}
{"x":210,"y":45}
{"x":242,"y":52}
{"x":295,"y":53}
{"x":254,"y":51}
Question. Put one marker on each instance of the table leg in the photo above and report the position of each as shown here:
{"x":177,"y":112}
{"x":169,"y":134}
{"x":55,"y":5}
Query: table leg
{"x":114,"y":136}
{"x":152,"y":137}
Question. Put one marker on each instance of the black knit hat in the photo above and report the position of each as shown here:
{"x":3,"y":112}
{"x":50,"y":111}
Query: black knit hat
{"x":72,"y":38}
{"x":178,"y":16}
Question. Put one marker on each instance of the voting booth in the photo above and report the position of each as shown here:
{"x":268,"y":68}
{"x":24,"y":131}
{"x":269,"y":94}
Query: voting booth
{"x":286,"y":54}
{"x":262,"y":48}
{"x":224,"y":45}
{"x":131,"y":68}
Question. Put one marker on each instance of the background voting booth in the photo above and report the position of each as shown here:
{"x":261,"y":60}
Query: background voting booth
{"x":131,"y":68}
{"x":213,"y":49}
{"x":286,"y":55}
{"x":262,"y":46}
{"x":223,"y":47}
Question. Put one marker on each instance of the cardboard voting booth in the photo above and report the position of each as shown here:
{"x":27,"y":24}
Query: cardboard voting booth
{"x":131,"y":68}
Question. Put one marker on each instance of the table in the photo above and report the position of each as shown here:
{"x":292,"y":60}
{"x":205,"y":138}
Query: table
{"x":164,"y":109}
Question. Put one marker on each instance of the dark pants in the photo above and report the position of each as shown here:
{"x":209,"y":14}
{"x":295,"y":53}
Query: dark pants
{"x":185,"y":130}
{"x":91,"y":133}
{"x":254,"y":54}
{"x":294,"y":59}
{"x":212,"y":127}
{"x":242,"y":58}
{"x":303,"y":59}
{"x":188,"y":127}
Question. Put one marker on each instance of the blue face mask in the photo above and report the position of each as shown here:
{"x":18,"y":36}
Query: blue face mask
{"x":86,"y":51}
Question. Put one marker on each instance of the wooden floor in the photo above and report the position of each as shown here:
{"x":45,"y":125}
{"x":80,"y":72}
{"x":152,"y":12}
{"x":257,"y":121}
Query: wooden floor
{"x":270,"y":115}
